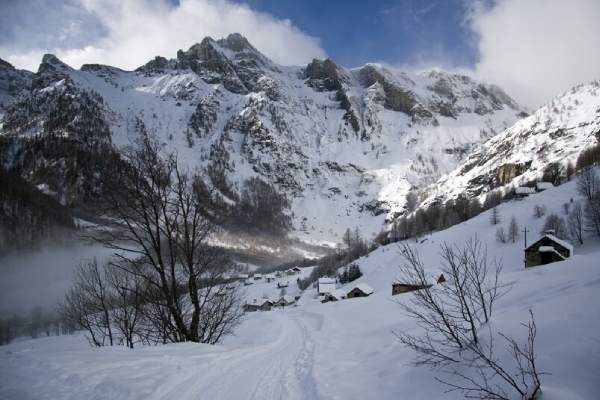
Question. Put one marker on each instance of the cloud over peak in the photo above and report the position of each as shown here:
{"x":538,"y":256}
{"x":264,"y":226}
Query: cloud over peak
{"x":537,"y":49}
{"x":128,"y":33}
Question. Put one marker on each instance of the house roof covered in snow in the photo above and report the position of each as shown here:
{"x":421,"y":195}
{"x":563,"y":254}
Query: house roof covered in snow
{"x":563,"y":243}
{"x":326,"y":280}
{"x":287,"y":298}
{"x":363,"y":287}
{"x":524,"y":190}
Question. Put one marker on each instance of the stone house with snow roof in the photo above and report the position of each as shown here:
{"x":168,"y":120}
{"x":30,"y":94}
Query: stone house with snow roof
{"x":360,"y":290}
{"x":547,"y":250}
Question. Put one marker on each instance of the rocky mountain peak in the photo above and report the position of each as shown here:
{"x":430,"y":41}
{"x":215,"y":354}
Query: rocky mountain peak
{"x":236,"y":42}
{"x":6,"y":66}
{"x":324,"y":75}
{"x":12,"y":82}
{"x":51,"y":63}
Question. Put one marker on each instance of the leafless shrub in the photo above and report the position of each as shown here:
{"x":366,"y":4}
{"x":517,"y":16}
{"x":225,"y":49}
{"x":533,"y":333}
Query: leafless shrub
{"x":87,"y":304}
{"x":451,"y":316}
{"x":576,"y":222}
{"x":539,"y":211}
{"x":500,"y":235}
{"x":487,"y":377}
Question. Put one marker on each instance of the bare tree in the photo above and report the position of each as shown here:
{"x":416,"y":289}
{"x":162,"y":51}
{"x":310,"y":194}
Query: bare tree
{"x":575,"y":221}
{"x":500,"y":235}
{"x":495,"y":216}
{"x":557,"y":224}
{"x":513,"y":229}
{"x":451,"y":316}
{"x":488,"y":377}
{"x":160,"y":236}
{"x":87,"y":304}
{"x":592,"y":215}
{"x":126,"y":304}
{"x":588,"y":183}
{"x":539,"y":211}
{"x":454,"y":310}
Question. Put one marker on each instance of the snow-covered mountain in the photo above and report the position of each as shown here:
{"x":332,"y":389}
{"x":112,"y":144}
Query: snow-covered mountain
{"x":345,"y":145}
{"x":12,"y":82}
{"x":557,"y":132}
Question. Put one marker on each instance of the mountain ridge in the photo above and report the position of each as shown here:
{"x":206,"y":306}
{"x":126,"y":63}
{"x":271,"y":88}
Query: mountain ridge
{"x":346,"y":144}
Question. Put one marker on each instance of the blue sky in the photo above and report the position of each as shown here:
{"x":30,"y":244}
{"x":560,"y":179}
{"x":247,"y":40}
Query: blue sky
{"x":393,"y":31}
{"x":533,"y":49}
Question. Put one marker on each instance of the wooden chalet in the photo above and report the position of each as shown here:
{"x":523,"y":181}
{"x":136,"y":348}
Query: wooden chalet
{"x":547,"y":249}
{"x":399,"y":288}
{"x":284,"y":301}
{"x":334,"y":295}
{"x":360,"y":290}
{"x":258,"y":305}
{"x":524,"y":191}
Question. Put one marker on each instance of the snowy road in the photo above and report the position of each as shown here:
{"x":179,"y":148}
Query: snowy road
{"x":278,"y":368}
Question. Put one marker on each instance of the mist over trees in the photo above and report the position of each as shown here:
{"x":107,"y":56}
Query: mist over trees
{"x":166,"y":283}
{"x":28,"y":216}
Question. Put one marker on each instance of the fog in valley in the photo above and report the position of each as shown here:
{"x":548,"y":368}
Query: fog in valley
{"x":41,"y":277}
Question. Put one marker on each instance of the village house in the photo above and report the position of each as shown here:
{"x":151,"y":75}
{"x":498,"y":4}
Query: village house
{"x":284,"y":301}
{"x":296,"y":270}
{"x":289,"y":272}
{"x":325,"y":285}
{"x":248,"y":282}
{"x":524,"y":191}
{"x":257,"y":277}
{"x":258,"y":305}
{"x":547,"y":250}
{"x":269,"y":278}
{"x":360,"y":290}
{"x":399,"y":288}
{"x":334,"y":295}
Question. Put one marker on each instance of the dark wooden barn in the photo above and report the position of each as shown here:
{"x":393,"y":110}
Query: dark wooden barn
{"x":398,"y":288}
{"x":547,"y":250}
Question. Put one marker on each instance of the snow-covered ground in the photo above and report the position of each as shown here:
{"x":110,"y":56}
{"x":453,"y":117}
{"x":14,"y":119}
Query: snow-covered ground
{"x":341,"y":350}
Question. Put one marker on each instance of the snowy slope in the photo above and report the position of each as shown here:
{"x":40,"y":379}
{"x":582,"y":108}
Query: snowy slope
{"x":343,"y":145}
{"x":341,"y":350}
{"x":557,"y":132}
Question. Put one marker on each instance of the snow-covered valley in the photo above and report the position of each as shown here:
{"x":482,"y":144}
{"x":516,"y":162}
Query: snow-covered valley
{"x":345,"y":349}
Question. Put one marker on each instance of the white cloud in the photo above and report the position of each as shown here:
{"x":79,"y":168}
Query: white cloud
{"x":134,"y":31}
{"x":536,"y":49}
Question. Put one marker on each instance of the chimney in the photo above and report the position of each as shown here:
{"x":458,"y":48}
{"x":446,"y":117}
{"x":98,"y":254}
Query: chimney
{"x":550,"y":232}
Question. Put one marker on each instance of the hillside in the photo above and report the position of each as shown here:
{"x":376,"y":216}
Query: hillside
{"x":345,"y":349}
{"x":343,"y":144}
{"x":556,"y":133}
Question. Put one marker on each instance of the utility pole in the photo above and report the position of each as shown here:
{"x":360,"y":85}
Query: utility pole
{"x":525,"y":230}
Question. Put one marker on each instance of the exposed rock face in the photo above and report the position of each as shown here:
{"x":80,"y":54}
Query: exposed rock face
{"x":507,"y":172}
{"x":396,"y":98}
{"x":12,"y":82}
{"x":341,"y":144}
